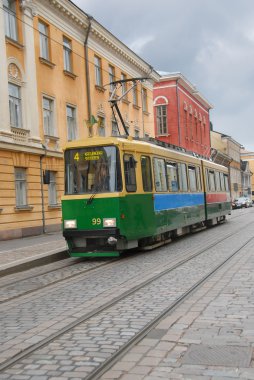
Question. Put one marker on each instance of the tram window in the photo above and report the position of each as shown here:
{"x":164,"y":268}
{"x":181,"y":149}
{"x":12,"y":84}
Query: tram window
{"x":211,"y":180}
{"x":217,"y":181}
{"x":146,"y":173}
{"x":92,"y":170}
{"x":222,"y":182}
{"x":183,"y":177}
{"x":159,"y":174}
{"x":172,"y":176}
{"x":192,"y":178}
{"x":226,"y":182}
{"x":198,"y":179}
{"x":130,"y":173}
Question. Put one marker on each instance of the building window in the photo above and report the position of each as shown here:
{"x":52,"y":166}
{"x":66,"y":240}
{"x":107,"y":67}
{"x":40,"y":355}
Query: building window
{"x":10,"y":19}
{"x":71,"y":123}
{"x":161,"y":120}
{"x":15,"y":106}
{"x":44,"y":40}
{"x":185,"y":123}
{"x":20,"y":185}
{"x":111,"y":72}
{"x":196,"y":129}
{"x":48,"y":116}
{"x":144,"y":99}
{"x":67,"y":54}
{"x":115,"y":131}
{"x":191,"y":127}
{"x":101,"y":126}
{"x":136,"y":133}
{"x":124,"y":85}
{"x":52,"y":194}
{"x":98,"y":73}
{"x":135,"y":95}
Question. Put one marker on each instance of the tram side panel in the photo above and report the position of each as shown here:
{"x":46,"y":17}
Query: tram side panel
{"x":136,"y":216}
{"x":174,"y":211}
{"x":217,"y":194}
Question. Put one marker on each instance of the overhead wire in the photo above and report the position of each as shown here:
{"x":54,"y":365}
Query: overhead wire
{"x":104,"y":71}
{"x":72,"y":51}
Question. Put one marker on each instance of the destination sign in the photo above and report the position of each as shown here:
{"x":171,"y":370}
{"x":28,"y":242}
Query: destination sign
{"x":88,"y":156}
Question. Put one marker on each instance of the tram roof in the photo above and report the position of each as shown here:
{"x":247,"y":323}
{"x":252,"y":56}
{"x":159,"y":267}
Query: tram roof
{"x":148,"y":145}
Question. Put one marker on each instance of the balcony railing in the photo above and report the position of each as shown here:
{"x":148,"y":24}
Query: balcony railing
{"x":20,"y":134}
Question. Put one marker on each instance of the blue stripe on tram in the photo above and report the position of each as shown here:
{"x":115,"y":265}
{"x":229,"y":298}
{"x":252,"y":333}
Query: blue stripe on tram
{"x":172,"y":201}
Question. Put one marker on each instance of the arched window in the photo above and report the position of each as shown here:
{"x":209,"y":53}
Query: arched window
{"x":161,"y":106}
{"x":15,"y":97}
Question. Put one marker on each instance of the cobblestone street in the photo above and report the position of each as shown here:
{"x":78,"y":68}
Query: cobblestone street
{"x":207,"y":336}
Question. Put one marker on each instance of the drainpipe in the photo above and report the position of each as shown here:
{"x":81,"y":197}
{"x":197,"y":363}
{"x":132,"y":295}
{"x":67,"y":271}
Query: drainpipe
{"x":142,"y":111}
{"x":42,"y":191}
{"x":178,"y":113}
{"x":88,"y":94}
{"x":209,"y":135}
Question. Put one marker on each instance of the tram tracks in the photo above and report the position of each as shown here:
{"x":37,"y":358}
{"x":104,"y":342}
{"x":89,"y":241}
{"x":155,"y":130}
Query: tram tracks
{"x":98,"y":372}
{"x":10,"y":290}
{"x":33,"y":283}
{"x":129,"y":293}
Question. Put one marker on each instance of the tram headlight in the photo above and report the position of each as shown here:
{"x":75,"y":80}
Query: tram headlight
{"x":72,"y":223}
{"x":109,"y":222}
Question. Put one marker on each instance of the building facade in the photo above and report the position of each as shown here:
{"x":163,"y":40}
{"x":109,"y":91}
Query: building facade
{"x":224,"y":145}
{"x":248,"y":158}
{"x":56,"y":66}
{"x":181,"y":114}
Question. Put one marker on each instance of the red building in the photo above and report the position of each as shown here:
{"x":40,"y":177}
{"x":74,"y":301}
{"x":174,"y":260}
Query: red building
{"x":181,"y":114}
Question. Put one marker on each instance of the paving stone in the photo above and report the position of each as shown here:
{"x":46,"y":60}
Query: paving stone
{"x":143,"y":307}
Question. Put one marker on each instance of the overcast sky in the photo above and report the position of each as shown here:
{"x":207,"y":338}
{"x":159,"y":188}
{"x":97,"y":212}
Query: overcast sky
{"x":211,"y":42}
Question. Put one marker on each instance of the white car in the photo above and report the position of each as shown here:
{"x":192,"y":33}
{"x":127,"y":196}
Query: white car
{"x":242,"y":202}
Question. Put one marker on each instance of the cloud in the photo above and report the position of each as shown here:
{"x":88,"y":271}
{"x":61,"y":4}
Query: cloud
{"x":139,"y":43}
{"x":209,"y":41}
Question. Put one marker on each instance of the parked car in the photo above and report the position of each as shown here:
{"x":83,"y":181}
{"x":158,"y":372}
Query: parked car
{"x":241,"y":202}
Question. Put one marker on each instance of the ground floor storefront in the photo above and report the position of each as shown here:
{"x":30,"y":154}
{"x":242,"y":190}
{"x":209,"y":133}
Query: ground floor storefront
{"x":31,"y":186}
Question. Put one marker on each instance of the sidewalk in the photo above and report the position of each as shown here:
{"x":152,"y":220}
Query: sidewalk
{"x":209,"y":337}
{"x":20,"y":254}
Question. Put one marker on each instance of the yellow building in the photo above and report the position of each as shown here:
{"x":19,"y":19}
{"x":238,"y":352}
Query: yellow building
{"x":56,"y":64}
{"x":226,"y":151}
{"x":249,"y":182}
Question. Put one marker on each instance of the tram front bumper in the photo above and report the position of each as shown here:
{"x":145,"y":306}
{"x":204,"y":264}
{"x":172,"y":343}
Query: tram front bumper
{"x":93,"y":240}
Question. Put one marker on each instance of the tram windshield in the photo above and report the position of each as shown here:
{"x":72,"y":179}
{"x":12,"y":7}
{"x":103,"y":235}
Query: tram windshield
{"x":92,"y":170}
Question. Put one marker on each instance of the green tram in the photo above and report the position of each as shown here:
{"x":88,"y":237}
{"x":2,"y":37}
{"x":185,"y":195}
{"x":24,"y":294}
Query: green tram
{"x":122,"y":193}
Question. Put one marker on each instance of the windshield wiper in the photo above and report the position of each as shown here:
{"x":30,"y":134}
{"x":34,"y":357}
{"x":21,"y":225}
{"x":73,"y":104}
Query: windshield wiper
{"x":90,"y":200}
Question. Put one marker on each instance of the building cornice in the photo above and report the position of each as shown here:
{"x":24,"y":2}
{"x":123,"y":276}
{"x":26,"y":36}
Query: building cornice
{"x":29,"y":149}
{"x":102,"y":36}
{"x":119,"y":48}
{"x":187,"y":85}
{"x":73,"y":13}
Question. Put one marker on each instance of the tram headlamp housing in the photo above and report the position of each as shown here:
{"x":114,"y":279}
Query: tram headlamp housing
{"x":109,"y":222}
{"x":72,"y":223}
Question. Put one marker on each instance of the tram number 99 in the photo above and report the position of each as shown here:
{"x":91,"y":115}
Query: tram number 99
{"x":96,"y":221}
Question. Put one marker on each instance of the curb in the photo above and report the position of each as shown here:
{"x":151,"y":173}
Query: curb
{"x":32,"y":262}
